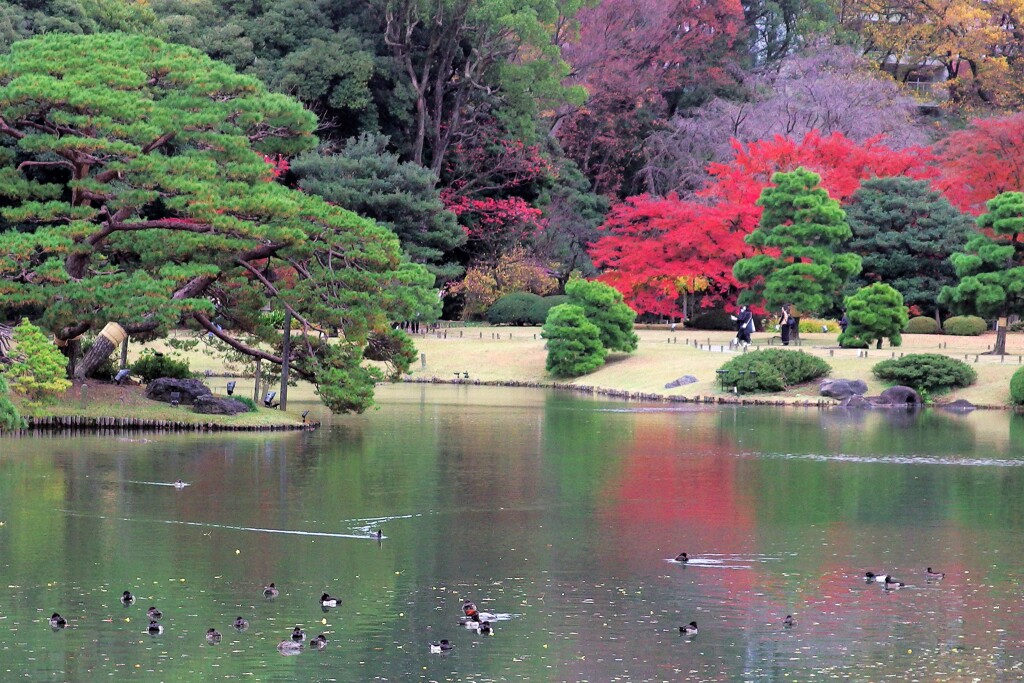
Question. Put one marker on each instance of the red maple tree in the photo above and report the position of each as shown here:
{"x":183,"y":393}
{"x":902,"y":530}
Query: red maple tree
{"x":981,"y":161}
{"x":657,"y":250}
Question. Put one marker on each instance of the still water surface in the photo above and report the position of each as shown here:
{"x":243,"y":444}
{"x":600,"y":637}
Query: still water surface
{"x":559,"y":512}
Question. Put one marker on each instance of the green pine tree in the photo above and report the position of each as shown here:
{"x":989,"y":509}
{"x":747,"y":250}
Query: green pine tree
{"x":574,"y":343}
{"x":367,"y":179}
{"x":991,"y":269}
{"x":40,"y":369}
{"x":905,"y":232}
{"x":800,"y":233}
{"x":603,"y":305}
{"x":142,"y":196}
{"x":874,"y":313}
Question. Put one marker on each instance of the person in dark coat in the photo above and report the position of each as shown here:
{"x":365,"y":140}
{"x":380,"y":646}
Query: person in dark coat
{"x":784,"y":324}
{"x":744,"y":325}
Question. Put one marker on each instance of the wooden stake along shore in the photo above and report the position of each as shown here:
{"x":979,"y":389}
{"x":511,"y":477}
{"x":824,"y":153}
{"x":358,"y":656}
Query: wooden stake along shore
{"x":75,"y":423}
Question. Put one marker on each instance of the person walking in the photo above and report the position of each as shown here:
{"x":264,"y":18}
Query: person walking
{"x":784,"y":327}
{"x":744,"y":326}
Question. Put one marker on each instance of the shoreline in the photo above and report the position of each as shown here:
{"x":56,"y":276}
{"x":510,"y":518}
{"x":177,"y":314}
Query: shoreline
{"x":822,"y":403}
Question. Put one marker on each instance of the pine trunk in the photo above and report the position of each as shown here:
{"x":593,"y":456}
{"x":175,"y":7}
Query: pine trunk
{"x":1000,"y":347}
{"x":109,"y":338}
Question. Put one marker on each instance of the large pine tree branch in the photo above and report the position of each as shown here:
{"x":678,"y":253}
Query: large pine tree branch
{"x":237,"y":345}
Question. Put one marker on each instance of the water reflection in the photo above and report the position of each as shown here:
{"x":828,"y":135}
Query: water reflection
{"x":559,"y":513}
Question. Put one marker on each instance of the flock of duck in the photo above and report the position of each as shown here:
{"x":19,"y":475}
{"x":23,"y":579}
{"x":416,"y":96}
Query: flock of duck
{"x":474,"y":620}
{"x":292,"y":645}
{"x":887,"y":581}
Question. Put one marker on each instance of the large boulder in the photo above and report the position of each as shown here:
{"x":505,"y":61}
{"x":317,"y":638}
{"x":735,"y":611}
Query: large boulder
{"x":188,"y":389}
{"x":854,"y":401}
{"x":958,"y":406}
{"x":842,"y":388}
{"x":682,"y":381}
{"x":219,"y":405}
{"x":898,"y":396}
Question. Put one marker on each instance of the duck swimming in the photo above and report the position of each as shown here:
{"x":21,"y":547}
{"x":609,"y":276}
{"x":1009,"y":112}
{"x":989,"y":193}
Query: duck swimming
{"x":298,"y":635}
{"x":271,"y":591}
{"x":934,"y":576}
{"x":327,"y":601}
{"x":438,"y":648}
{"x":240,"y":624}
{"x":289,"y":647}
{"x":788,"y":621}
{"x":154,"y":614}
{"x":155,"y":628}
{"x":875,"y":578}
{"x":319,"y":643}
{"x":682,"y":557}
{"x":58,"y":622}
{"x":690,"y":629}
{"x":892,"y":584}
{"x":213,"y":636}
{"x":470,"y":610}
{"x":127,"y":598}
{"x":179,"y":484}
{"x":485,"y":628}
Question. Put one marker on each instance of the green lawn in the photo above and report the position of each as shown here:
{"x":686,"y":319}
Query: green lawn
{"x":517,"y":354}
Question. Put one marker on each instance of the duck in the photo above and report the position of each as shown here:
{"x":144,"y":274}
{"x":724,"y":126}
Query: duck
{"x":788,"y":621}
{"x":682,"y":557}
{"x":57,"y":621}
{"x":155,"y":628}
{"x":892,"y":584}
{"x":870,"y":577}
{"x":127,"y":598}
{"x":470,"y":610}
{"x":271,"y":591}
{"x":154,"y":614}
{"x":319,"y":643}
{"x":933,"y":575}
{"x":289,"y":647}
{"x":485,"y":628}
{"x":179,"y":484}
{"x":443,"y":646}
{"x":240,"y":624}
{"x":690,"y":629}
{"x":298,"y":635}
{"x":327,"y":601}
{"x":380,"y":534}
{"x":213,"y":636}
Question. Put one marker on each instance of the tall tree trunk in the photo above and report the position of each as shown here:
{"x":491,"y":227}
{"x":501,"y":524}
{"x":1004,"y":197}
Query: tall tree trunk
{"x":1000,"y":346}
{"x":109,"y":338}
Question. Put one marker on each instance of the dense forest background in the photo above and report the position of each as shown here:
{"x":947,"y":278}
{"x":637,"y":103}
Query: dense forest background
{"x":511,"y":143}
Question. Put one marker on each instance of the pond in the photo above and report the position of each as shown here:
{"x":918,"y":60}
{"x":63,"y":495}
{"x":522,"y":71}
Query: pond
{"x":560,"y":514}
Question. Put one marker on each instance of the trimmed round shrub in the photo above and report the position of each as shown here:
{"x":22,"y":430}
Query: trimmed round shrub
{"x":574,"y":343}
{"x":922,"y":324}
{"x":965,"y":325}
{"x":1017,"y":387}
{"x":772,"y":370}
{"x":152,"y":365}
{"x":539,"y":310}
{"x":514,"y":309}
{"x":930,"y":372}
